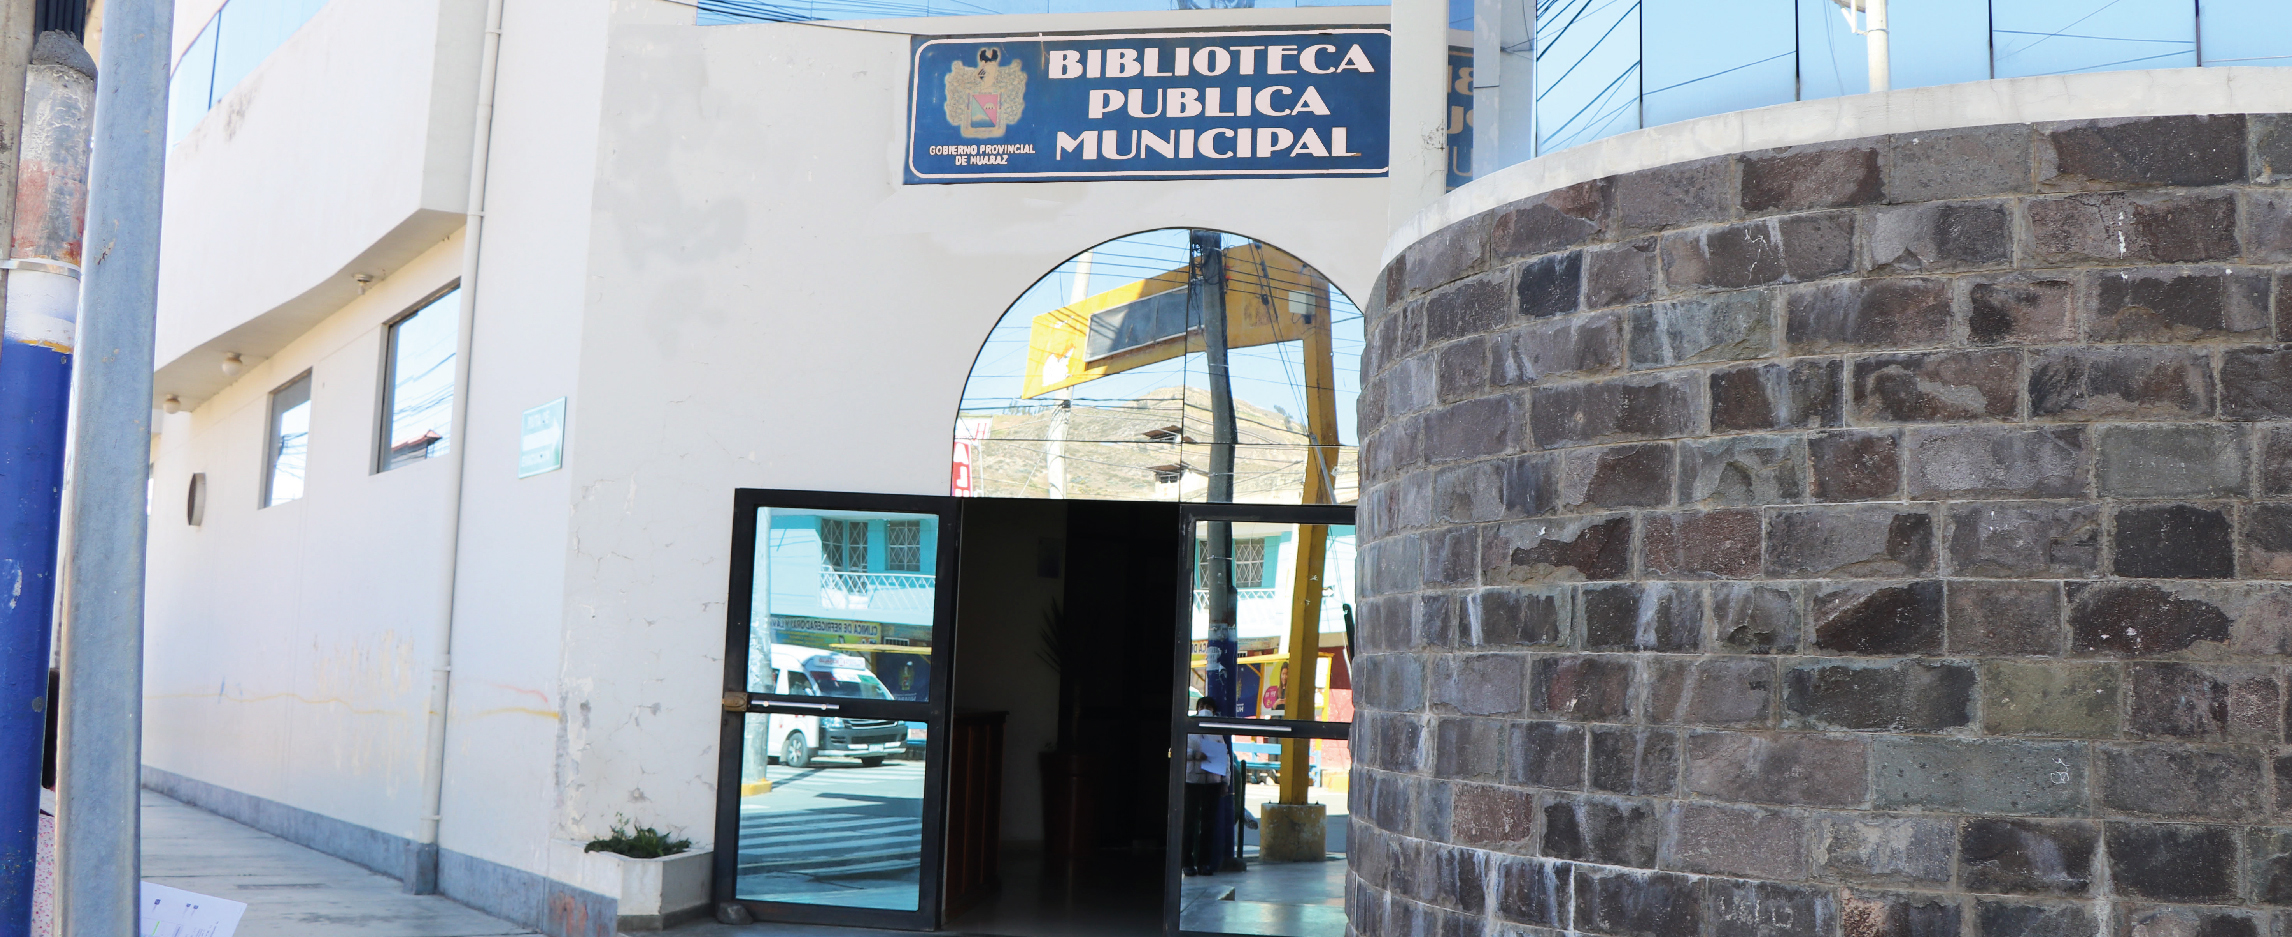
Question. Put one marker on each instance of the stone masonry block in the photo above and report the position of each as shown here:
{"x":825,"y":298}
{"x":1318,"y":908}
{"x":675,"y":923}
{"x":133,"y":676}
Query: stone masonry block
{"x":1783,"y":768}
{"x":2173,"y":541}
{"x":1938,"y":236}
{"x":1460,"y":369}
{"x":1999,"y":777}
{"x":1997,"y":461}
{"x":1551,"y":286}
{"x":2267,"y":541}
{"x":2050,"y":699}
{"x":1912,"y":696}
{"x":1970,"y":162}
{"x":1735,"y":471}
{"x":1536,"y":892}
{"x":1881,"y":620}
{"x":1938,"y":387}
{"x":1452,"y":556}
{"x":2148,"y":382}
{"x":2268,"y":866}
{"x":1709,"y":545}
{"x":1448,"y":254}
{"x":1616,"y":410}
{"x":2024,"y":539}
{"x":1541,"y":754}
{"x":1552,"y":348}
{"x":2178,"y":782}
{"x":1736,"y":841}
{"x":2268,"y":227}
{"x":1634,"y":616}
{"x":1988,"y":616}
{"x":1881,"y":915}
{"x":1490,"y":816}
{"x":2120,"y":227}
{"x":1619,"y":274}
{"x":2019,"y":919}
{"x":1469,"y":307}
{"x":1854,"y":465}
{"x":1469,"y":749}
{"x":2214,"y":703}
{"x":1554,"y":221}
{"x":1879,"y":849}
{"x":2170,"y":460}
{"x":1768,"y":909}
{"x":2189,"y":922}
{"x":1465,"y":494}
{"x":1718,"y":691}
{"x":1634,"y":476}
{"x":2275,"y":468}
{"x":2172,"y":862}
{"x":1877,"y":314}
{"x":2271,"y":159}
{"x":1609,"y":832}
{"x":2028,"y":857}
{"x":1634,"y":761}
{"x":1480,"y":684}
{"x":2138,"y":619}
{"x":1753,"y":618}
{"x":1671,"y":195}
{"x":2178,"y":304}
{"x":2140,"y":151}
{"x":2020,"y":310}
{"x":1797,"y":395}
{"x":1500,"y":617}
{"x":1531,"y":484}
{"x":1472,"y":429}
{"x":1801,"y":178}
{"x":1638,"y":904}
{"x":1793,"y":248}
{"x":1718,"y":327}
{"x":1877,"y":541}
{"x":1561,"y":550}
{"x":2256,"y":383}
{"x":1582,"y":688}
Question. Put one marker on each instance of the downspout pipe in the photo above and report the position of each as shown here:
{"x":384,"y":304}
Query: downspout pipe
{"x":42,"y":315}
{"x":421,"y":876}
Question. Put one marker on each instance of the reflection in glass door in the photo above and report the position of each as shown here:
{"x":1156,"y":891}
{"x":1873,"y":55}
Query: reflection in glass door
{"x":1260,"y":842}
{"x":835,"y":705}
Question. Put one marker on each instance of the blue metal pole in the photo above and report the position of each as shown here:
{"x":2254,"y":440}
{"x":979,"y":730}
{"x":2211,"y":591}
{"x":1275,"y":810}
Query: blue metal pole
{"x":42,"y":314}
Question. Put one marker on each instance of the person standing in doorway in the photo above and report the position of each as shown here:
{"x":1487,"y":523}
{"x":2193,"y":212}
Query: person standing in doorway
{"x":1207,"y":762}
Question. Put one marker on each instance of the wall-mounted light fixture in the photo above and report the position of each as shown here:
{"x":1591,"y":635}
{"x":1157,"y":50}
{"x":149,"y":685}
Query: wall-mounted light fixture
{"x":232,"y":364}
{"x":172,"y":404}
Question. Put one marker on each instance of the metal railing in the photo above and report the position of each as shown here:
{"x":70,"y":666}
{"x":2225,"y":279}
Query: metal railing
{"x":876,"y":591}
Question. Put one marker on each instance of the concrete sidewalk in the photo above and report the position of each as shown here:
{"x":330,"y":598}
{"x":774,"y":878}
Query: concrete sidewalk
{"x":291,"y":891}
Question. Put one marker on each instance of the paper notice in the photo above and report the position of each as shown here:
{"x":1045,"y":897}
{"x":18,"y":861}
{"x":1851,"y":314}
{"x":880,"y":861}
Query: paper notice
{"x":173,"y":912}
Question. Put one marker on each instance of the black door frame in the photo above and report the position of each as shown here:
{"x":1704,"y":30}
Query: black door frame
{"x":1182,"y":722}
{"x":739,"y":703}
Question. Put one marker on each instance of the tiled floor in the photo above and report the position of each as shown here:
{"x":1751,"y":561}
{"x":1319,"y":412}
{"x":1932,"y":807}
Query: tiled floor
{"x":291,"y":891}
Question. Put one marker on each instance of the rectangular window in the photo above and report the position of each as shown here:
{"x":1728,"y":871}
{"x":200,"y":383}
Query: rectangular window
{"x":418,"y":389}
{"x":843,"y":544}
{"x":288,"y":449}
{"x":903,"y":546}
{"x":1249,"y":564}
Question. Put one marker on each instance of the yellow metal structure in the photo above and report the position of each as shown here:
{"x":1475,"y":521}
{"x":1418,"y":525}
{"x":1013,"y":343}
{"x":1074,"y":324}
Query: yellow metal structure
{"x":1270,"y":297}
{"x":1312,"y":552}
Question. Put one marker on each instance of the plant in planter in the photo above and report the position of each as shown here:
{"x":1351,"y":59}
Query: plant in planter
{"x":1070,"y":809}
{"x":656,"y":876}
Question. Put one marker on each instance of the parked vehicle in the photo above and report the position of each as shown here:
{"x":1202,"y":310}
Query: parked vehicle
{"x":809,"y":671}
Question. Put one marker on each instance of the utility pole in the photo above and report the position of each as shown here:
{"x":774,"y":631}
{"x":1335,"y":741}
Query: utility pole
{"x":1062,"y":412}
{"x":1881,"y":51}
{"x":49,"y":183}
{"x":99,"y":756}
{"x":1222,"y":650}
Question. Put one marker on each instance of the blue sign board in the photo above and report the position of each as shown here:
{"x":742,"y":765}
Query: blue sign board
{"x":1160,"y":105}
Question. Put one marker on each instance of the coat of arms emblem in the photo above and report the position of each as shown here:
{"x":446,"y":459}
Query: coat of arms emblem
{"x":987,"y":96}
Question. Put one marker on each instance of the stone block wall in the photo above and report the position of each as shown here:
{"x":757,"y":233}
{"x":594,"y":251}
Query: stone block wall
{"x":1887,"y":538}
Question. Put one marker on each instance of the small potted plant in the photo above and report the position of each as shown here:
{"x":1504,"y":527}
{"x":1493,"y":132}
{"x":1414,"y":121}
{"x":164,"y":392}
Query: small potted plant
{"x":659,"y":879}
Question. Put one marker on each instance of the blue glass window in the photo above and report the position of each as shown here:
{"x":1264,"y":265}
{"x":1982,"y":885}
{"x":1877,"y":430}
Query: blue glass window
{"x":1934,"y":42}
{"x":2245,"y":32}
{"x":1708,"y":58}
{"x":2064,"y":37}
{"x":1587,"y":70}
{"x":242,"y":34}
{"x":191,"y":91}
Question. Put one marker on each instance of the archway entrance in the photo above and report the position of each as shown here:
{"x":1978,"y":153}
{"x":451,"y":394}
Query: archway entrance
{"x":1149,"y":509}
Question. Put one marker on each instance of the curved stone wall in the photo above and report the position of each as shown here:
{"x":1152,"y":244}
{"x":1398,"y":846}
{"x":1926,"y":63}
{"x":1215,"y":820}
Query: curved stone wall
{"x":1881,"y":538}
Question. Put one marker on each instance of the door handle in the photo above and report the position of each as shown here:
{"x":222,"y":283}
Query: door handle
{"x":781,"y":704}
{"x":1253,"y":729}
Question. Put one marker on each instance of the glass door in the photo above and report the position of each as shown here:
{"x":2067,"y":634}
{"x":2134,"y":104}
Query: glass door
{"x":1264,"y":722}
{"x":835,"y":693}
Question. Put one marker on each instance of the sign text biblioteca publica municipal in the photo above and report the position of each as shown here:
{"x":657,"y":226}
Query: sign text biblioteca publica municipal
{"x":1194,"y":105}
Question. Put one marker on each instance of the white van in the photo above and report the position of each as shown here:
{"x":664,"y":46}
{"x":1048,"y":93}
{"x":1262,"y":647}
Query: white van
{"x":809,"y":671}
